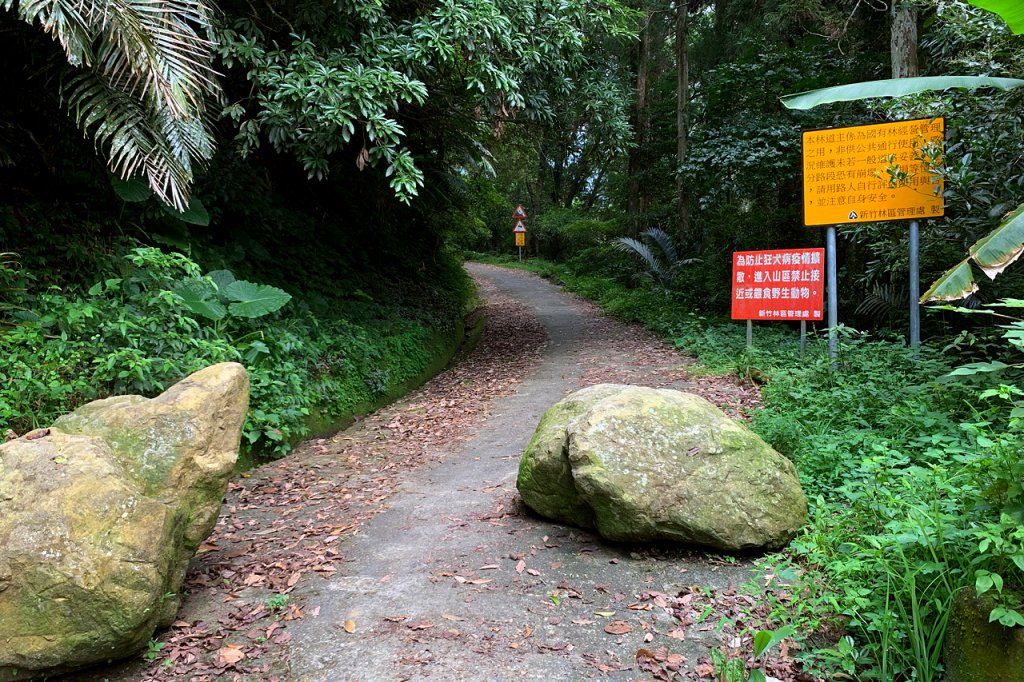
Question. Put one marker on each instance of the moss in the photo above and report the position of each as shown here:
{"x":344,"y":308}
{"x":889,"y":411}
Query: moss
{"x":979,"y":651}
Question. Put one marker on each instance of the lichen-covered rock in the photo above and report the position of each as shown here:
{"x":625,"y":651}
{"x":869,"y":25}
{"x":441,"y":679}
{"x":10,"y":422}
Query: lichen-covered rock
{"x":100,"y":514}
{"x":545,"y":477}
{"x":977,"y":650}
{"x":652,"y":464}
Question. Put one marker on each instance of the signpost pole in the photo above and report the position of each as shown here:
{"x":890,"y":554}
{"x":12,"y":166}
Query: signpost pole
{"x":833,"y":297}
{"x":750,"y":334}
{"x":520,"y":254}
{"x":915,"y":286}
{"x":803,"y":337}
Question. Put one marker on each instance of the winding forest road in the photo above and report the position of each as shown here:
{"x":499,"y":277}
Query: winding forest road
{"x":403,"y":552}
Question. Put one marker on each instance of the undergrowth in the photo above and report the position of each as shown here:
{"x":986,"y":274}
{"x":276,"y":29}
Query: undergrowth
{"x":912,"y":469}
{"x":133,"y":333}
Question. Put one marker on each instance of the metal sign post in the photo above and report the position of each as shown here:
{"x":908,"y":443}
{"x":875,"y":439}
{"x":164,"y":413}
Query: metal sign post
{"x":872,"y":173}
{"x":833,"y":294}
{"x":915,"y":286}
{"x":519,"y":231}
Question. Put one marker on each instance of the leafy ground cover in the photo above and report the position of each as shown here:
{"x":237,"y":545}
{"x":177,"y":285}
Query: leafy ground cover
{"x":912,"y":467}
{"x":153,"y":318}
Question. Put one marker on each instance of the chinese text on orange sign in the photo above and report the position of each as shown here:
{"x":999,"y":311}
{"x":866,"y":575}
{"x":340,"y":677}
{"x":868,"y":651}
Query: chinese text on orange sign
{"x":846,"y":178}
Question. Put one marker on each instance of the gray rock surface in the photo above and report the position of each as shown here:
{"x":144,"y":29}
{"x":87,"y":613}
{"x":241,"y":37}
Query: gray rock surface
{"x":100,"y":514}
{"x":642,"y":464}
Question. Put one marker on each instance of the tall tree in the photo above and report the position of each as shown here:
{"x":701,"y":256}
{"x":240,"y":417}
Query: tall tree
{"x":682,"y":108}
{"x":903,"y":39}
{"x":637,"y":199}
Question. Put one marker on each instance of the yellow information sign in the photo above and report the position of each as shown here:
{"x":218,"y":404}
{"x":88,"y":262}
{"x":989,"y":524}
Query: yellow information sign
{"x":520,"y":239}
{"x":847,"y":176}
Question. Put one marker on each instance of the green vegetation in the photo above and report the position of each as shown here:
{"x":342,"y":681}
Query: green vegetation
{"x":912,"y":466}
{"x":326,"y":166}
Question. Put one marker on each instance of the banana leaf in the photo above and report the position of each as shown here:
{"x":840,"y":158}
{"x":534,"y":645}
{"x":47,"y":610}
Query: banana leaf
{"x":894,"y":87}
{"x":955,"y":283}
{"x":1012,"y":11}
{"x":1002,"y":246}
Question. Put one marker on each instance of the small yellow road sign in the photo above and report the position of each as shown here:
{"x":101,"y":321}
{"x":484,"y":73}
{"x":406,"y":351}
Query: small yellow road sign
{"x":872,"y":173}
{"x":520,"y":239}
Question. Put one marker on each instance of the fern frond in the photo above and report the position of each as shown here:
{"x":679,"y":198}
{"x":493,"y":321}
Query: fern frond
{"x":146,"y":75}
{"x":884,"y":302}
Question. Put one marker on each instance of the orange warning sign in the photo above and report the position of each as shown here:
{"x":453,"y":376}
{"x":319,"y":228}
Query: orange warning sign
{"x":788,"y":284}
{"x":847,"y":178}
{"x":520,"y":239}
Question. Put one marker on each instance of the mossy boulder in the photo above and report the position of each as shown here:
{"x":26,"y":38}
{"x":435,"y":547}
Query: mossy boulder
{"x":977,"y":650}
{"x":641,"y":464}
{"x":545,"y":478}
{"x":100,"y":514}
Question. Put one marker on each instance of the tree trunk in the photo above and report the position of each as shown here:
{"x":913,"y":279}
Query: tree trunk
{"x":903,"y":40}
{"x":636,"y":200}
{"x":682,"y":110}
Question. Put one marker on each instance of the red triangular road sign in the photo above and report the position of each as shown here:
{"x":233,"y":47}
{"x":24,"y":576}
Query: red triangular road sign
{"x":519,"y":227}
{"x":520,"y":212}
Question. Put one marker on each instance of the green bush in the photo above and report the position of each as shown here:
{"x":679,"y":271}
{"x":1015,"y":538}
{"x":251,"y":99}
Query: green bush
{"x":136,"y":333}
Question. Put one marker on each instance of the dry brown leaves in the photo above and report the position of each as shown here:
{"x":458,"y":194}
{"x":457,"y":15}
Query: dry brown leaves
{"x":287,"y":519}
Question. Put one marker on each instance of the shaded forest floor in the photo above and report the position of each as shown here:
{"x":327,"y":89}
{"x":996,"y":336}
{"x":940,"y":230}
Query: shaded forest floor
{"x":398,"y":549}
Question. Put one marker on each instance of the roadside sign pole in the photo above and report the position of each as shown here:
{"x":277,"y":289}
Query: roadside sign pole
{"x":520,"y":254}
{"x":833,"y":297}
{"x":915,"y":286}
{"x":750,"y":334}
{"x":803,"y":337}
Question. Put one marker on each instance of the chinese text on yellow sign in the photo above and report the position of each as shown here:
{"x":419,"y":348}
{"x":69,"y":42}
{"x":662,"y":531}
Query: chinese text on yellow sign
{"x":848,"y":172}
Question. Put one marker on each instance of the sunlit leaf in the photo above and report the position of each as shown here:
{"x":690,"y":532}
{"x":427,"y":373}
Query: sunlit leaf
{"x":894,"y":87}
{"x":955,"y":284}
{"x":1012,"y":11}
{"x":199,"y":298}
{"x":1002,"y":246}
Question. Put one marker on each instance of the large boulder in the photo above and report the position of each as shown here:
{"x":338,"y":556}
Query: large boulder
{"x":100,"y":514}
{"x":642,"y":464}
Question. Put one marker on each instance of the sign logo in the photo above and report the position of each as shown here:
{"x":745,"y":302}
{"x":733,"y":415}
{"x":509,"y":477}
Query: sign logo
{"x":847,"y":178}
{"x":788,"y":284}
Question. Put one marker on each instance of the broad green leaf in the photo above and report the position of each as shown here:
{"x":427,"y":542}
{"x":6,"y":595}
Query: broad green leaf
{"x":978,"y":368}
{"x":894,"y":87}
{"x":133,"y":190}
{"x":955,"y":283}
{"x":766,"y":639}
{"x":199,"y":298}
{"x":1012,"y":11}
{"x":254,"y":300}
{"x":756,"y":676}
{"x":1002,"y":246}
{"x":195,"y":214}
{"x":222,"y":278}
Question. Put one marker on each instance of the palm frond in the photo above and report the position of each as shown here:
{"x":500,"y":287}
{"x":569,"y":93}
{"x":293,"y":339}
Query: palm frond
{"x":144,"y":80}
{"x":663,"y":241}
{"x":639,"y":249}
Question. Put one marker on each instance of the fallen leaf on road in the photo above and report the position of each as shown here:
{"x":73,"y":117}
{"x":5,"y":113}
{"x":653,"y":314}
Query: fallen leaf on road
{"x":230,"y":654}
{"x":350,"y":626}
{"x":618,"y":627}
